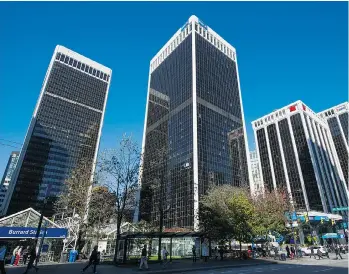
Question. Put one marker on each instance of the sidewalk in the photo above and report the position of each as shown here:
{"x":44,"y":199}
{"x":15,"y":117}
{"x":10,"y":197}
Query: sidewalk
{"x":176,"y":266}
{"x":187,"y":265}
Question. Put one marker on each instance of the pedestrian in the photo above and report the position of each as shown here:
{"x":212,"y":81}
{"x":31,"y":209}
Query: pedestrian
{"x":31,"y":260}
{"x":164,"y":255}
{"x":25,"y":255}
{"x":221,"y":252}
{"x":288,"y":251}
{"x":338,"y":252}
{"x":215,"y":253}
{"x":2,"y":258}
{"x":319,"y":253}
{"x":193,"y":251}
{"x":276,"y":253}
{"x":14,"y":253}
{"x":144,"y":258}
{"x":18,"y":256}
{"x":312,"y":252}
{"x":293,"y":252}
{"x":94,"y":260}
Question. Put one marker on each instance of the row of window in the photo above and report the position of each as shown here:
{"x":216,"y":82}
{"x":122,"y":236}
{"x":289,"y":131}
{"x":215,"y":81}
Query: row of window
{"x":81,"y":66}
{"x":184,"y":33}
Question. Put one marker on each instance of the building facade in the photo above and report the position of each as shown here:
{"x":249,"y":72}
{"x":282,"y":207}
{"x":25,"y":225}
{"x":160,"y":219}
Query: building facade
{"x":7,"y":179}
{"x":64,"y":131}
{"x":194,"y":114}
{"x":257,"y":184}
{"x":297,"y":153}
{"x":337,"y":120}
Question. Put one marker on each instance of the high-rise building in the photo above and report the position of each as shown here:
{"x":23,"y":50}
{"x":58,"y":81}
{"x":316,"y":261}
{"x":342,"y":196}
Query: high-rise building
{"x":64,"y":131}
{"x":256,"y":184}
{"x":194,"y":112}
{"x":297,"y":153}
{"x":7,"y":178}
{"x":337,"y":120}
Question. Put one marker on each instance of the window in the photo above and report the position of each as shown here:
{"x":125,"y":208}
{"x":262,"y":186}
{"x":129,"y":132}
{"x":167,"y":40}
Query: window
{"x":58,"y":56}
{"x":196,"y":27}
{"x":94,"y":72}
{"x":190,"y":26}
{"x":86,"y":68}
{"x":66,"y":60}
{"x":79,"y":65}
{"x":71,"y":61}
{"x":90,"y":70}
{"x":62,"y":58}
{"x":102,"y":74}
{"x":105,"y":77}
{"x":98,"y":73}
{"x":83,"y":67}
{"x":75,"y":63}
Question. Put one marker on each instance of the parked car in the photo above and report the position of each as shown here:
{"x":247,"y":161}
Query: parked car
{"x":306,"y":251}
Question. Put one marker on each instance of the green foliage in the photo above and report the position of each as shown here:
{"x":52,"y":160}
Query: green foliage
{"x":269,"y":213}
{"x":227,"y":212}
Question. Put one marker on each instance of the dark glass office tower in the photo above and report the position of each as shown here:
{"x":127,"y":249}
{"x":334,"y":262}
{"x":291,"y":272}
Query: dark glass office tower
{"x":297,"y":154}
{"x":194,"y":113}
{"x":337,"y":119}
{"x":65,"y":129}
{"x":7,"y":179}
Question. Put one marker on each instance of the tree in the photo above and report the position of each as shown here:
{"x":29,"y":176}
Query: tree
{"x":75,"y":195}
{"x":226,"y":213}
{"x":120,"y":168}
{"x":270,"y":210}
{"x":102,"y":210}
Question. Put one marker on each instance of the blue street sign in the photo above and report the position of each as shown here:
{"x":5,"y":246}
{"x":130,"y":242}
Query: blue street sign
{"x":30,"y":232}
{"x":340,"y":209}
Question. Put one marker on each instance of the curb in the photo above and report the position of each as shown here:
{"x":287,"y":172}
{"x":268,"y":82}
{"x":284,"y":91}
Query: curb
{"x":203,"y":268}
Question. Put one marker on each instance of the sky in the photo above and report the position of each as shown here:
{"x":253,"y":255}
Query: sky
{"x":287,"y":51}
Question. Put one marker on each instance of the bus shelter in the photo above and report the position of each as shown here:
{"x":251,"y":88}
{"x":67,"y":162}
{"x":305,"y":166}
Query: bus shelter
{"x":178,"y":244}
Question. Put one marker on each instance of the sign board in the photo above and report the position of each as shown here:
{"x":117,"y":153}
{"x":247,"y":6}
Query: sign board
{"x":340,"y":209}
{"x":30,"y":232}
{"x":319,"y":218}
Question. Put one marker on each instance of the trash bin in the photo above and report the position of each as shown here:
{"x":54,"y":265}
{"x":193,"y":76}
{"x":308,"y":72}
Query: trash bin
{"x":72,"y":256}
{"x":64,"y":257}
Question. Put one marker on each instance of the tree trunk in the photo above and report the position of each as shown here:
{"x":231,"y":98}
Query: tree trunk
{"x":240,"y":249}
{"x":118,"y":225}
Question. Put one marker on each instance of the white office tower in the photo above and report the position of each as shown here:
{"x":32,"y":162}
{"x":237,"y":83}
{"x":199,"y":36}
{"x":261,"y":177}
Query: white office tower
{"x":337,"y":120}
{"x":296,"y":152}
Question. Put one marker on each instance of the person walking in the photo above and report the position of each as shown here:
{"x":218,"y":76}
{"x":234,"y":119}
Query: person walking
{"x":164,"y":255}
{"x":221,"y":252}
{"x":31,"y":260}
{"x":312,"y":252}
{"x":338,"y":252}
{"x":319,"y":253}
{"x":25,"y":255}
{"x":193,"y":250}
{"x":2,"y":258}
{"x":14,"y":253}
{"x":18,"y":256}
{"x":144,"y":259}
{"x":215,"y":253}
{"x":288,"y":251}
{"x":93,"y":260}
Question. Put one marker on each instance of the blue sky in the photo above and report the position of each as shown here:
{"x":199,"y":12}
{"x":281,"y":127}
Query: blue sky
{"x":286,"y":51}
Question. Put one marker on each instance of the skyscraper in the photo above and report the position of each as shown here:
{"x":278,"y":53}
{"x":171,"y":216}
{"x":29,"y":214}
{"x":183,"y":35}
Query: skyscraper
{"x":297,"y":153}
{"x":256,"y":183}
{"x":337,"y":120}
{"x":194,"y":113}
{"x":7,"y":179}
{"x":65,"y":128}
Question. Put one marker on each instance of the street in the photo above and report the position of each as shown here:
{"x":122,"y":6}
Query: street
{"x":305,"y":266}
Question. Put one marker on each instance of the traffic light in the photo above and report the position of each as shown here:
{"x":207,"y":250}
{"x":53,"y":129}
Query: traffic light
{"x":322,"y":221}
{"x":333,"y":222}
{"x":306,"y":218}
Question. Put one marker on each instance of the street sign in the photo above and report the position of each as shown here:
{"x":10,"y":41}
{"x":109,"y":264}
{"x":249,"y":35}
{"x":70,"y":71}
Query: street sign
{"x":340,"y":209}
{"x":30,"y":232}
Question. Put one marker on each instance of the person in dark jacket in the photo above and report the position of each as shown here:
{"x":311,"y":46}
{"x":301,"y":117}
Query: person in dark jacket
{"x":144,"y":258}
{"x":193,"y":250}
{"x":25,"y":255}
{"x":338,"y":252}
{"x":3,"y":250}
{"x":32,"y":259}
{"x":288,"y":251}
{"x":93,"y":260}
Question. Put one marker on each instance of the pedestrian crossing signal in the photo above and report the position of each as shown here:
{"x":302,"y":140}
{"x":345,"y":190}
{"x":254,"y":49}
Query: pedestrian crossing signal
{"x":333,"y":222}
